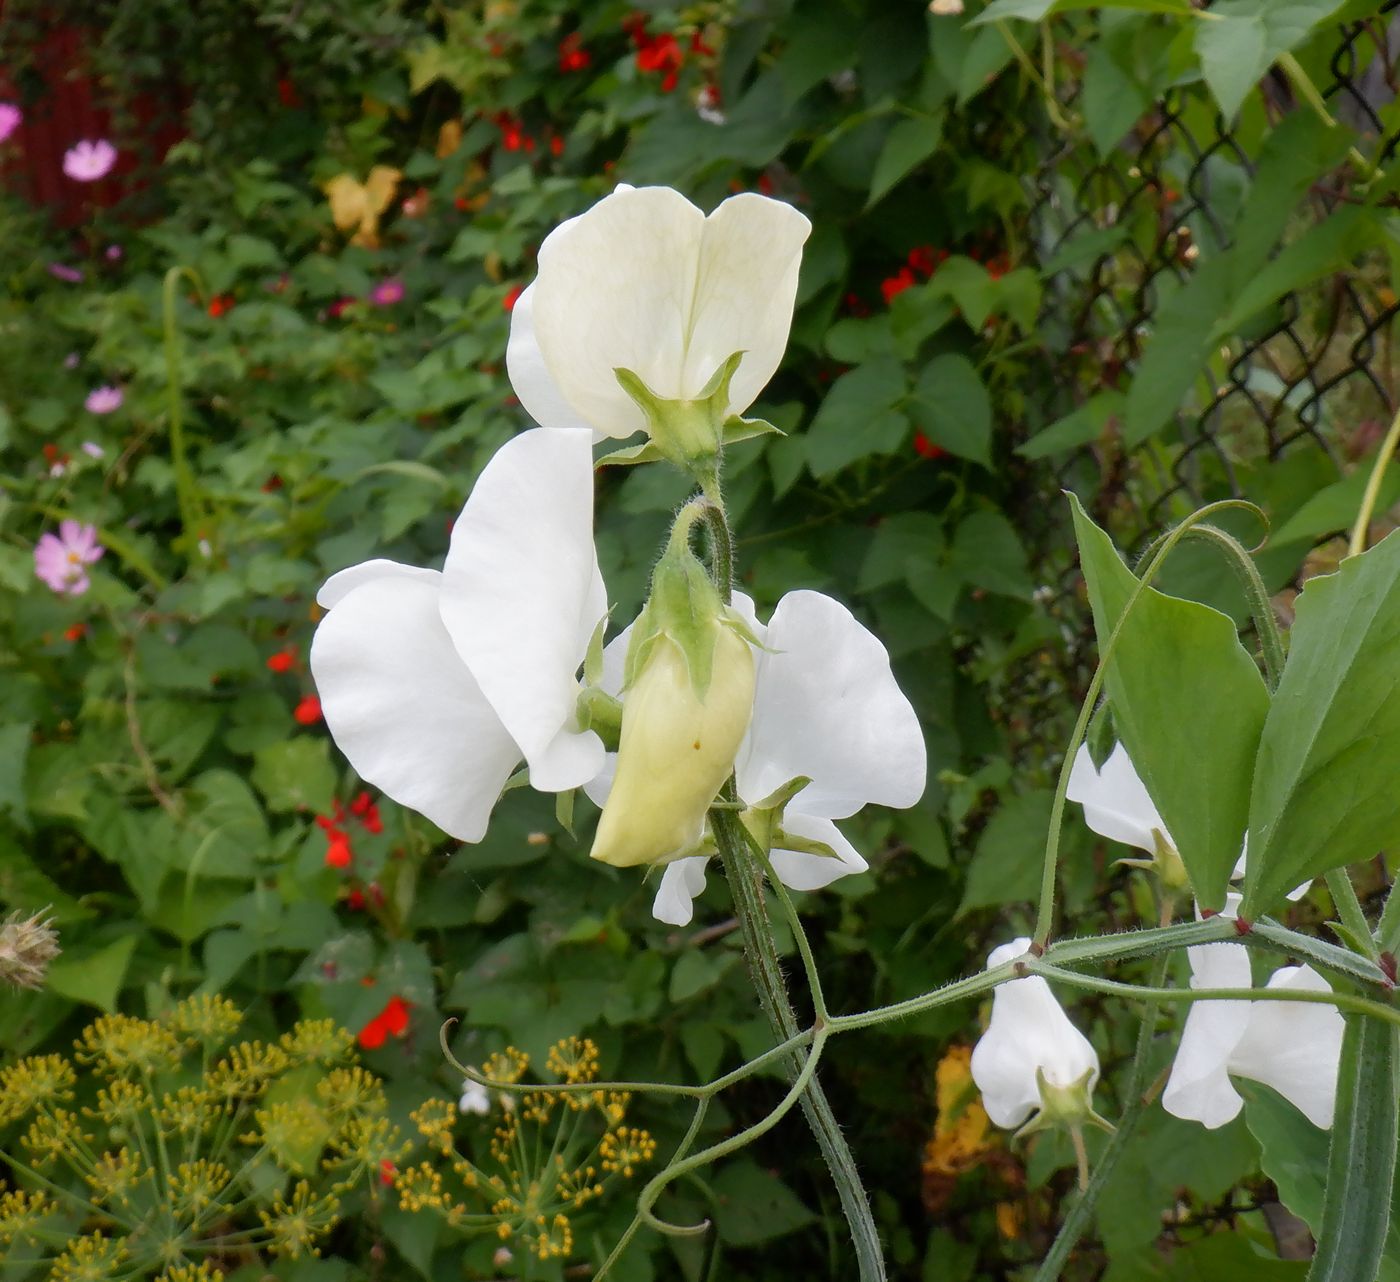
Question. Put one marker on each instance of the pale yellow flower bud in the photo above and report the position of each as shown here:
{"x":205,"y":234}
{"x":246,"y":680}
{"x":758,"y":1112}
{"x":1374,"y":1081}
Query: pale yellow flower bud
{"x":677,"y":749}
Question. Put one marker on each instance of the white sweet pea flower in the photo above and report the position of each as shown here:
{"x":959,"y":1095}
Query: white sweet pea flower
{"x":826,"y":707}
{"x":1294,"y":1047}
{"x":436,"y":685}
{"x":643,"y":281}
{"x":475,"y":1098}
{"x":1029,"y":1045}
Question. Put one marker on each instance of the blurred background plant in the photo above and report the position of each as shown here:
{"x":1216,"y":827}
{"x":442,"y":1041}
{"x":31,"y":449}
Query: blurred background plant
{"x":1050,"y":250}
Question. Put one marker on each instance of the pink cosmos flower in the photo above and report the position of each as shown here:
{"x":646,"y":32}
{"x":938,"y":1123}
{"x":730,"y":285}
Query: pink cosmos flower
{"x":103,"y":400}
{"x":61,"y":559}
{"x":114,"y":253}
{"x":11,"y":117}
{"x":387,"y":292}
{"x":89,"y":160}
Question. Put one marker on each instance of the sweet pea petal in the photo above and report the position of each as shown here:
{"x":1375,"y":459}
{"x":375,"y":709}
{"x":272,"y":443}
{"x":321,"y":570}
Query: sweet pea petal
{"x":614,"y":290}
{"x":522,"y":595}
{"x":801,"y":871}
{"x":1199,"y":1088}
{"x":749,"y":259}
{"x":1028,"y":1031}
{"x":529,"y":375}
{"x":401,"y":705}
{"x":1115,"y":800}
{"x":1293,"y":1047}
{"x":682,"y":883}
{"x":336,"y":588}
{"x":826,"y":706}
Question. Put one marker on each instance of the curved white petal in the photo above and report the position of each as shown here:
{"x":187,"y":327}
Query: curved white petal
{"x":522,"y":595}
{"x":529,"y":375}
{"x":1294,"y":1047}
{"x":801,"y":871}
{"x":1199,"y":1088}
{"x":749,"y":259}
{"x":682,"y":883}
{"x":1115,"y":801}
{"x":826,"y":706}
{"x":343,"y":582}
{"x":614,"y":290}
{"x":1028,"y":1030}
{"x":401,"y":705}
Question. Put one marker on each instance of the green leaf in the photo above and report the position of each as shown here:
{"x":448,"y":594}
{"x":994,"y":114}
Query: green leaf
{"x":1079,"y":427}
{"x":1324,"y":786}
{"x":755,"y":1206}
{"x":1188,"y":704}
{"x":96,"y":977}
{"x":858,"y":417}
{"x":907,"y":144}
{"x":1361,"y":1158}
{"x":295,"y":775}
{"x":1244,"y":38}
{"x":952,"y":407}
{"x":14,"y":752}
{"x":1003,"y":869}
{"x":987,"y":554}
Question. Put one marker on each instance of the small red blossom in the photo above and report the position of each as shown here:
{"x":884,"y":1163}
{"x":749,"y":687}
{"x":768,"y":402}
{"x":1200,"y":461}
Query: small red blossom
{"x":273,"y":483}
{"x":556,"y":146}
{"x":220,"y":305}
{"x":391,"y":1021}
{"x":854,"y":305}
{"x":512,"y":296}
{"x":572,"y":55}
{"x":925,"y":448}
{"x":74,"y":632}
{"x":364,"y":809}
{"x":387,"y":1171}
{"x":338,"y":308}
{"x":355,"y":899}
{"x":765,"y":184}
{"x":662,"y":54}
{"x":512,"y":133}
{"x":998,"y":267}
{"x":924,"y":260}
{"x":287,"y":93}
{"x":698,"y":45}
{"x":338,"y":852}
{"x":283,"y":660}
{"x":892,"y":286}
{"x":308,"y":711}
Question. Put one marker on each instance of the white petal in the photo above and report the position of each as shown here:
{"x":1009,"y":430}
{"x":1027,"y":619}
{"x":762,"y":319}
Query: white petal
{"x":1242,"y":863}
{"x":401,"y":705}
{"x":749,"y":260}
{"x":529,"y":375}
{"x":826,"y":706}
{"x":1294,"y":1047}
{"x":1199,"y":1088}
{"x":522,"y":595}
{"x":614,"y":290}
{"x":1028,"y":1030}
{"x":341,"y":584}
{"x":682,"y":882}
{"x":801,"y":871}
{"x":1115,"y":801}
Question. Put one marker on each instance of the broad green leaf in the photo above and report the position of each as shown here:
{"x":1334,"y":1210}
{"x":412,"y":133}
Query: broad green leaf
{"x":987,"y":553}
{"x":1244,"y":38}
{"x":755,"y":1206}
{"x":1334,"y":507}
{"x":1324,"y":785}
{"x":1361,"y":1158}
{"x":14,"y":752}
{"x":907,"y":144}
{"x":1188,"y":703}
{"x":858,"y":417}
{"x":952,"y":407}
{"x":95,"y":977}
{"x":295,"y":775}
{"x":1076,"y":428}
{"x":1005,"y":867}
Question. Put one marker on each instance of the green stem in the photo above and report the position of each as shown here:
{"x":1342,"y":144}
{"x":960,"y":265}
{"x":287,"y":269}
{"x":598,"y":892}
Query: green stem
{"x":186,"y":495}
{"x":746,"y":885}
{"x":1349,"y":909}
{"x":1357,"y":545}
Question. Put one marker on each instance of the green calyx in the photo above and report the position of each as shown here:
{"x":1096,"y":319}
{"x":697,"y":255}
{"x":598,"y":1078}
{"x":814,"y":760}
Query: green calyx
{"x":1069,"y":1108}
{"x":1165,"y":864}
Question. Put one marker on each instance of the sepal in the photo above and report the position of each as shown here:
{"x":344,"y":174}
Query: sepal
{"x":691,"y":434}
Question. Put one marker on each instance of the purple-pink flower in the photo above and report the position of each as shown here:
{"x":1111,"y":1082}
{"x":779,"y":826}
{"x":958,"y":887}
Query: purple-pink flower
{"x":89,"y":160}
{"x":387,"y":292}
{"x":61,"y":559}
{"x":103,"y":400}
{"x":61,"y":271}
{"x":11,"y":117}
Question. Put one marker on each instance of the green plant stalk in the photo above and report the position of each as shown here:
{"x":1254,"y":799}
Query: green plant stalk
{"x":1349,"y":909}
{"x":1078,"y":1218}
{"x":1371,"y":497}
{"x":746,"y":886}
{"x":186,"y":492}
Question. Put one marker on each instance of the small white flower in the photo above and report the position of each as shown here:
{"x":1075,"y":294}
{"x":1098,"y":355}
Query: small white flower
{"x":1115,"y":800}
{"x":1029,"y":1040}
{"x":436,"y":685}
{"x":475,"y":1098}
{"x":826,"y":707}
{"x":644,"y":281}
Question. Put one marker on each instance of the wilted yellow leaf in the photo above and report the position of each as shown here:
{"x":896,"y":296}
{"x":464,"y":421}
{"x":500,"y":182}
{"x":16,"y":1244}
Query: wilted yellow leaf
{"x":961,"y":1126}
{"x":358,"y":205}
{"x":449,"y":138}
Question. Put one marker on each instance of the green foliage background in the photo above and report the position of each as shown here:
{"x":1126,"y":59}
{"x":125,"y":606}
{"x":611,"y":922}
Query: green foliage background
{"x":155,"y":788}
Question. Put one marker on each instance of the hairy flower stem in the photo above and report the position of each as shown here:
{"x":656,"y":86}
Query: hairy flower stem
{"x":746,"y":885}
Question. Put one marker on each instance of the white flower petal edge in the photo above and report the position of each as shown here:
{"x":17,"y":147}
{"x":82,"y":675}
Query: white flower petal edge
{"x":682,"y":882}
{"x":644,"y":281}
{"x":826,"y":706}
{"x":522,"y":596}
{"x":1115,"y":800}
{"x":529,"y":375}
{"x":801,"y":871}
{"x":1199,"y":1088}
{"x":1028,"y":1031}
{"x":1242,"y":865}
{"x":400,"y":703}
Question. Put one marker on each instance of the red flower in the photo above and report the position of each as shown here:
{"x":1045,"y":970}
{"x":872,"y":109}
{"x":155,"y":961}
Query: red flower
{"x":337,"y":308}
{"x":556,"y":145}
{"x":287,"y":93}
{"x":355,"y":900}
{"x":338,"y":852}
{"x":998,"y":267}
{"x":74,"y":632}
{"x":661,"y":53}
{"x":220,"y":304}
{"x":512,"y":297}
{"x":387,"y":1171}
{"x":926,"y":448}
{"x":273,"y":482}
{"x":698,"y":45}
{"x":282,"y":661}
{"x":392,"y":1020}
{"x":572,"y":55}
{"x":308,"y":711}
{"x":897,"y":284}
{"x":924,"y":259}
{"x":364,"y":809}
{"x":512,"y":135}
